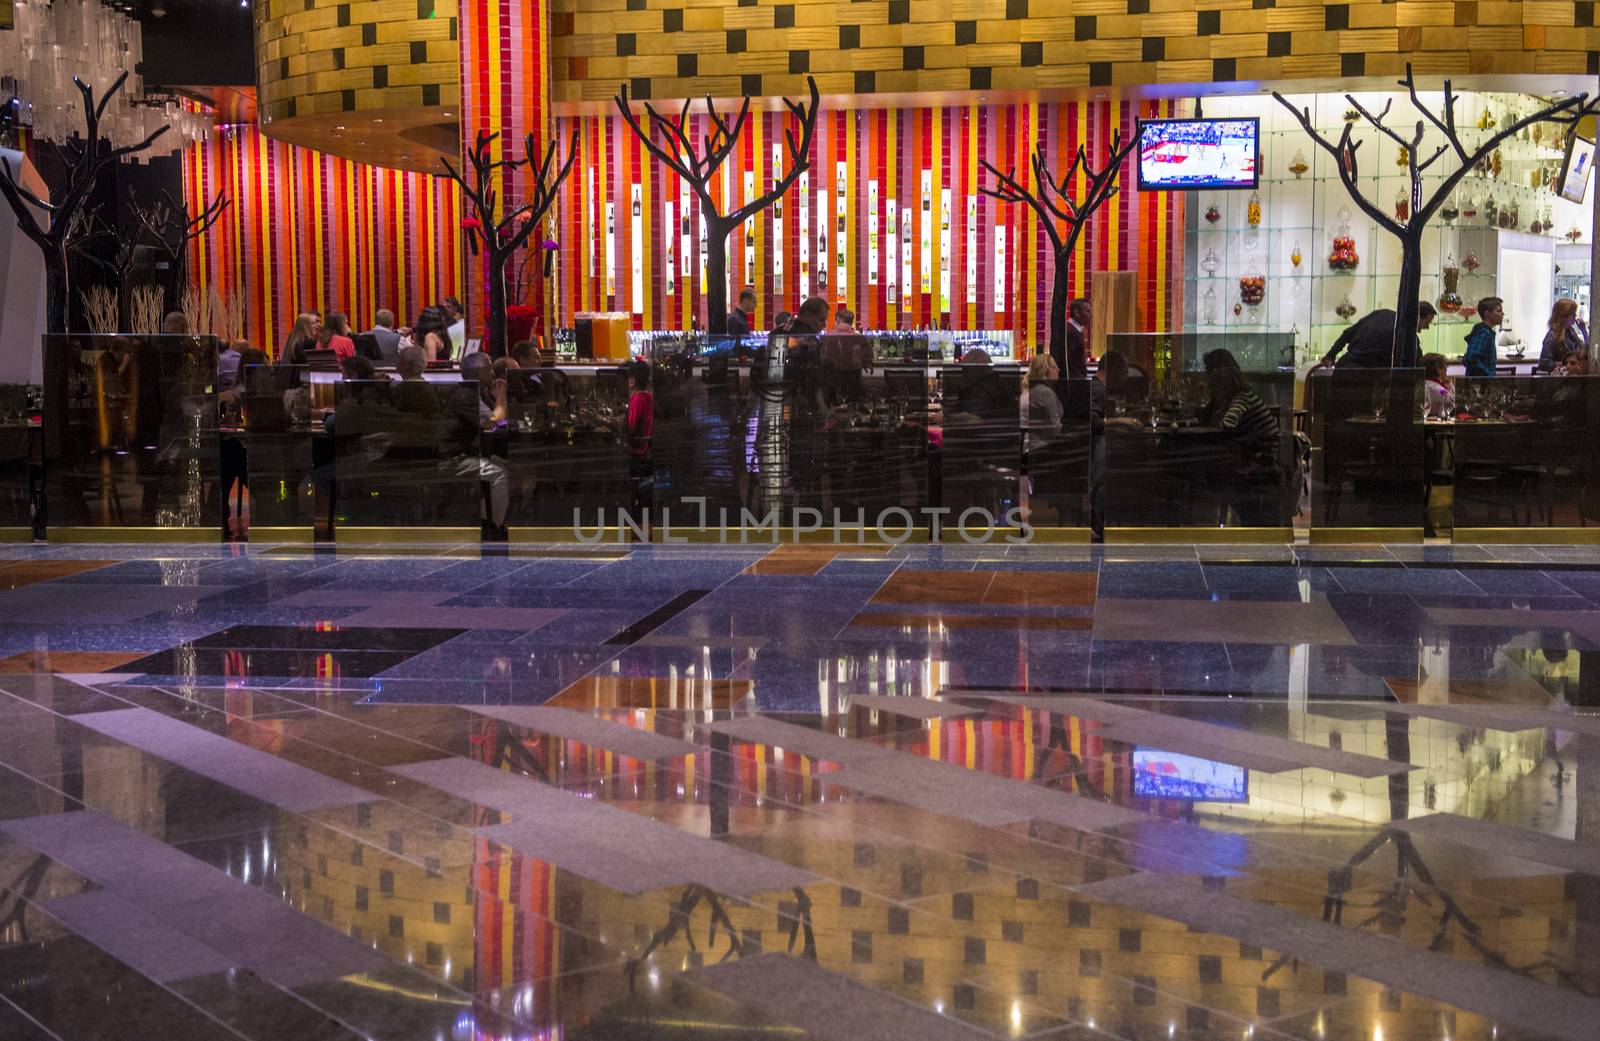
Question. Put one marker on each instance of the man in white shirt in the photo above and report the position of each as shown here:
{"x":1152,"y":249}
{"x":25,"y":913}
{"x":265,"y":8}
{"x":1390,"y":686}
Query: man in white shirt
{"x":458,"y":325}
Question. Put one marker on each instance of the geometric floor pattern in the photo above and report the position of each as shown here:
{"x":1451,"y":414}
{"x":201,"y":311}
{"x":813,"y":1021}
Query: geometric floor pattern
{"x":659,"y":792}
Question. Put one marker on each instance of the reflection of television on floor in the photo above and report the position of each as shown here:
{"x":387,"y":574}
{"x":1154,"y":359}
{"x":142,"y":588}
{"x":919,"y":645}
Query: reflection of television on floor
{"x":1182,"y":154}
{"x":1159,"y":774}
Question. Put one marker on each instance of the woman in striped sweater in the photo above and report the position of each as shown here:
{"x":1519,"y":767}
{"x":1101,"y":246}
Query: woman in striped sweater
{"x":1253,"y":425}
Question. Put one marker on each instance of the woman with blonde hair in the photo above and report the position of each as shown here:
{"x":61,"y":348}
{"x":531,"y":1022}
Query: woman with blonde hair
{"x":1565,"y":335}
{"x":1040,"y":408}
{"x":302,"y":338}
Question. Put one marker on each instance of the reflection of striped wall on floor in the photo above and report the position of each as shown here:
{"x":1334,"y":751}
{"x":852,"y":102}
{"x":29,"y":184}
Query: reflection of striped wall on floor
{"x":310,"y":230}
{"x":997,"y":275}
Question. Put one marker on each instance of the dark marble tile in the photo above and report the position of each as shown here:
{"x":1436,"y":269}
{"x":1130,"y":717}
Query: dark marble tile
{"x":194,"y":660}
{"x":325,"y":638}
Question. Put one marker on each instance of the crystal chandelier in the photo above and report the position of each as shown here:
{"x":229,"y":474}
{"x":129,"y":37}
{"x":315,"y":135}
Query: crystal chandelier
{"x":53,"y":42}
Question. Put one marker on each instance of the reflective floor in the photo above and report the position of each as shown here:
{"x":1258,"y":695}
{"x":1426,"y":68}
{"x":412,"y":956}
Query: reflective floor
{"x":667,"y":792}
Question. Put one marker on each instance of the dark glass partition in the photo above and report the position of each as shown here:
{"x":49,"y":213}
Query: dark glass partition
{"x":407,"y":455}
{"x":1368,"y":454}
{"x":131,"y":431}
{"x":1518,"y":451}
{"x":1197,"y":450}
{"x":806,"y":423}
{"x":277,"y":461}
{"x":563,"y":447}
{"x":980,"y":460}
{"x":21,"y":456}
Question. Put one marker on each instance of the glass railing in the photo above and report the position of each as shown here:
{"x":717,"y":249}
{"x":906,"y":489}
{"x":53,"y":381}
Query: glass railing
{"x":21,"y":459}
{"x":750,"y":441}
{"x":131,"y":431}
{"x":1366,"y":432}
{"x":1513,"y":452}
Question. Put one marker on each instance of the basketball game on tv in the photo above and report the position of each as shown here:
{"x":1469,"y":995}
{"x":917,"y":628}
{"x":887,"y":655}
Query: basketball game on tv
{"x":1178,"y":154}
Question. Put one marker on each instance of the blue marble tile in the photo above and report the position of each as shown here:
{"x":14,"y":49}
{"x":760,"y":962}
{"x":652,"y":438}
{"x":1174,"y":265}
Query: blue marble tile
{"x":1584,"y":583}
{"x":537,"y":574}
{"x":1516,"y":582}
{"x":1145,"y":654}
{"x":145,"y":573}
{"x":1136,"y":579}
{"x":641,"y":602}
{"x":1561,"y":601}
{"x":1403,"y":580}
{"x":1381,"y":618}
{"x":581,"y":628}
{"x":1267,"y":578}
{"x":514,"y":663}
{"x":488,"y":637}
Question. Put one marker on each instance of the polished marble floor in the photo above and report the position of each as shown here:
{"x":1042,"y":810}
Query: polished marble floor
{"x":562,"y":792}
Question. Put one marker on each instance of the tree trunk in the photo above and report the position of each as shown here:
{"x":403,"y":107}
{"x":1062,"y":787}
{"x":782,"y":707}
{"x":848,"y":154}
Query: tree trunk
{"x":717,"y":277}
{"x":58,"y":290}
{"x":1059,"y":288}
{"x":1402,"y":354}
{"x":494,"y":335}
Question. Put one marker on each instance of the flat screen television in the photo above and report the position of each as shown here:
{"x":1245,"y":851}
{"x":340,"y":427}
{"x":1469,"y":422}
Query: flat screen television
{"x":1575,"y":168}
{"x":1185,"y":154}
{"x":1159,"y":774}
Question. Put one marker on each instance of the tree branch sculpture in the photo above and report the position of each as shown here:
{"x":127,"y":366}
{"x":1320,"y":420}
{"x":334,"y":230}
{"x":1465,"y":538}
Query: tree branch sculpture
{"x":1054,"y":202}
{"x":62,"y":223}
{"x":1409,"y":231}
{"x":165,"y":224}
{"x":499,"y":237}
{"x":698,"y":163}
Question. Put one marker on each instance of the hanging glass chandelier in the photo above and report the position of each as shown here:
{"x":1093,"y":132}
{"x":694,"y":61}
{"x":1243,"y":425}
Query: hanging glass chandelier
{"x":52,"y":43}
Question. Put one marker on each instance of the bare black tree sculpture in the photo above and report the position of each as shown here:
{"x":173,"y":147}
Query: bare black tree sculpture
{"x":1054,"y":201}
{"x":499,"y":237}
{"x":83,"y":159}
{"x":1409,"y":232}
{"x":165,"y":224}
{"x":697,"y":164}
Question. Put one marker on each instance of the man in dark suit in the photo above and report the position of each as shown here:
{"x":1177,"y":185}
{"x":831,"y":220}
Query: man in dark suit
{"x":739,"y":317}
{"x":1074,"y":363}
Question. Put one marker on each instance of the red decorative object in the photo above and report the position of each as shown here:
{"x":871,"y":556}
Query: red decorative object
{"x":520,"y":320}
{"x":1343,"y":257}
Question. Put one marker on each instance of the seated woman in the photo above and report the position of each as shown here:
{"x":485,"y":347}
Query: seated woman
{"x":1440,"y":388}
{"x":1252,"y":489}
{"x":1564,"y":335}
{"x":1039,"y":407}
{"x":1253,"y":425}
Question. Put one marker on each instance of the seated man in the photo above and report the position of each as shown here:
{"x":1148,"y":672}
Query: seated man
{"x":388,"y":340}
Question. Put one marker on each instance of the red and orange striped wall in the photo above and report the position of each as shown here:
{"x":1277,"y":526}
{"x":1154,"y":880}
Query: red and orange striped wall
{"x":310,"y":230}
{"x":505,"y":89}
{"x":885,"y":153}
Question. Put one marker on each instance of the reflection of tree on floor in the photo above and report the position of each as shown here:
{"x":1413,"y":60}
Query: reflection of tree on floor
{"x":20,"y":891}
{"x":1415,"y":879}
{"x":509,"y":750}
{"x":800,"y":929}
{"x":1060,"y":740}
